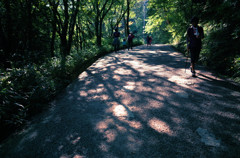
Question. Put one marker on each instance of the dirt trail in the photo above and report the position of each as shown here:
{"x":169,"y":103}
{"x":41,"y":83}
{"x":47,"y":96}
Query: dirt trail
{"x":137,"y":103}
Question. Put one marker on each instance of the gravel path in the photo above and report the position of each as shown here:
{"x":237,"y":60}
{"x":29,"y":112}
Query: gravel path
{"x":136,"y":104}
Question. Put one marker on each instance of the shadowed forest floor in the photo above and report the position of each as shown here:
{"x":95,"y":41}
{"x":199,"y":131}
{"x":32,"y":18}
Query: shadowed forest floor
{"x":137,"y":103}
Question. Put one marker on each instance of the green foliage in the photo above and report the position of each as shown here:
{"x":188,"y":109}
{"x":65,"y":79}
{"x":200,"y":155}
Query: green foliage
{"x":236,"y":68}
{"x":168,"y":21}
{"x":220,"y":53}
{"x":138,"y":41}
{"x":46,"y":44}
{"x":25,"y":91}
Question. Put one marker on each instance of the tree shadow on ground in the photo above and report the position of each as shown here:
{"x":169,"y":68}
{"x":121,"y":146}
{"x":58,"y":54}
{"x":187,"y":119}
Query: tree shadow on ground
{"x":139,"y":103}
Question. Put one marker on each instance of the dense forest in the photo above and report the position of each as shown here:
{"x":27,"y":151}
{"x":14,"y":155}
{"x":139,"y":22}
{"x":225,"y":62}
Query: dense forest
{"x":45,"y":44}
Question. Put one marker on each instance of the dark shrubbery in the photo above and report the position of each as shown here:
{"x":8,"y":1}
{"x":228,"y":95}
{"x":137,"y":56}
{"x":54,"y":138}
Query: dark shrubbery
{"x":35,"y":35}
{"x":26,"y":91}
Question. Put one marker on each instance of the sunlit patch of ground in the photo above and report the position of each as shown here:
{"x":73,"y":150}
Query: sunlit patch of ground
{"x":103,"y":125}
{"x":122,"y":71}
{"x":79,"y":156}
{"x":160,"y":126}
{"x":120,"y":111}
{"x":110,"y":135}
{"x":130,"y":85}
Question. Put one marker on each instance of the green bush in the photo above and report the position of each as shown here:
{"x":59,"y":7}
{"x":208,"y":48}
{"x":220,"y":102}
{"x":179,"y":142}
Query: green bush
{"x":26,"y":91}
{"x":236,"y":68}
{"x":138,"y":41}
{"x":220,"y":51}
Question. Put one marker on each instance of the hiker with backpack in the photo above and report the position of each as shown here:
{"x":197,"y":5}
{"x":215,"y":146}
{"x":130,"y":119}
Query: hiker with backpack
{"x":195,"y":35}
{"x":149,"y":40}
{"x":116,"y":41}
{"x":130,"y":40}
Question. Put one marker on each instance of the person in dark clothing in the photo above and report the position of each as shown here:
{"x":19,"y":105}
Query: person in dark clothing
{"x":116,"y":41}
{"x":148,"y":40}
{"x":130,"y":40}
{"x":195,"y":35}
{"x":124,"y":43}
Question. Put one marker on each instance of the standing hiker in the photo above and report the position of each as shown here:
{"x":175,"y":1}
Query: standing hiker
{"x":116,"y":41}
{"x":124,"y":43}
{"x":148,"y":40}
{"x":194,"y":42}
{"x":130,"y":40}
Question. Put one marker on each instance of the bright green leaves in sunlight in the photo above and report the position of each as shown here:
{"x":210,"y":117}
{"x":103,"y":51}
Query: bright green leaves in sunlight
{"x":153,"y":23}
{"x":168,"y":21}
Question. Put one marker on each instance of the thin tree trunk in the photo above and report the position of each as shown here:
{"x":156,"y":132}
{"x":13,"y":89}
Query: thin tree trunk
{"x":100,"y":33}
{"x":7,"y":48}
{"x":128,"y":13}
{"x":52,"y":44}
{"x":29,"y":25}
{"x":77,"y":37}
{"x":125,"y":26}
{"x":97,"y":24}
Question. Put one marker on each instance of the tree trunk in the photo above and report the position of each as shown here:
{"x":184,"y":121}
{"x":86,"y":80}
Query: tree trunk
{"x":125,"y":26}
{"x":97,"y":24}
{"x":29,"y":25}
{"x":128,"y":13}
{"x":99,"y":38}
{"x":79,"y":37}
{"x":77,"y":41}
{"x":100,"y":15}
{"x":72,"y":26}
{"x":97,"y":30}
{"x":64,"y":51}
{"x":7,"y":48}
{"x":64,"y":45}
{"x":52,"y":44}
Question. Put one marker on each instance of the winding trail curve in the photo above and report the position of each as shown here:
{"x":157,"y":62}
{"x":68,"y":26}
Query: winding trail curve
{"x":139,"y":103}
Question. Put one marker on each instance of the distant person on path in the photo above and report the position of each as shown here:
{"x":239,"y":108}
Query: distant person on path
{"x":116,"y":41}
{"x":124,"y":43}
{"x":148,"y":40}
{"x":194,"y":42}
{"x":130,"y":40}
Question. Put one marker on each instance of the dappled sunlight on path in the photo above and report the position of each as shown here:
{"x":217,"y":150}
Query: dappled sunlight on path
{"x":138,"y":103}
{"x":160,"y":126}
